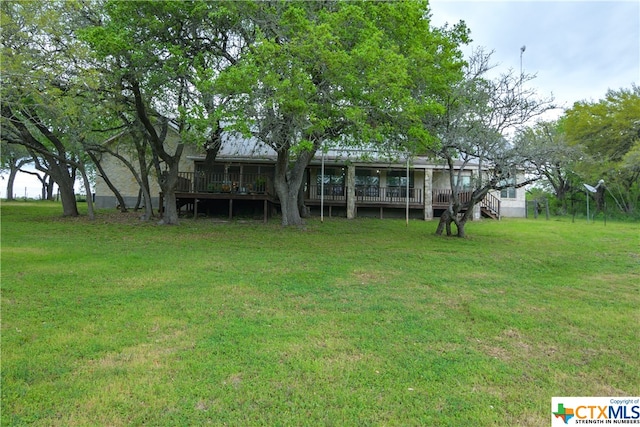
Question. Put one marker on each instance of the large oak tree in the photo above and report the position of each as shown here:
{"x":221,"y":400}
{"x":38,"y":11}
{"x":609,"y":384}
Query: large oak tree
{"x":342,"y":73}
{"x":480,"y":112}
{"x":163,"y":59}
{"x":609,"y":131}
{"x":46,"y":106}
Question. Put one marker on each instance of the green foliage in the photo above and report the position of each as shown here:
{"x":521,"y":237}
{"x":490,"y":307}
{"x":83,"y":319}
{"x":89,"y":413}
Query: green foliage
{"x":351,"y":323}
{"x":545,"y":147}
{"x":49,"y":104}
{"x":609,"y":129}
{"x":348,"y":69}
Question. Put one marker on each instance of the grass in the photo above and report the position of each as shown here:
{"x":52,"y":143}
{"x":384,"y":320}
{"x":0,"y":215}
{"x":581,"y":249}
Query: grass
{"x":364,"y":322}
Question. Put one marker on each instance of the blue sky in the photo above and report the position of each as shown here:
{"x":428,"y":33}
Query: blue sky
{"x":577,"y":49}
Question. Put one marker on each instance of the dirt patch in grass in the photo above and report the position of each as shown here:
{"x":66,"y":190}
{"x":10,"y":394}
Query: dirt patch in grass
{"x":511,"y":345}
{"x":368,"y":277}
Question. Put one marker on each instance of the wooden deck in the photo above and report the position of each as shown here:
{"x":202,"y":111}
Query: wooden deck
{"x":188,"y":196}
{"x":489,"y":206}
{"x":191,"y":200}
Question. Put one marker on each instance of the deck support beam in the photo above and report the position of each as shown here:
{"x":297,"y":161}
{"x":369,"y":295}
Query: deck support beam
{"x":266,"y":211}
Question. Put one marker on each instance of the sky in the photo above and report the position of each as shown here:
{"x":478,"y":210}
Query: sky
{"x":578,"y":49}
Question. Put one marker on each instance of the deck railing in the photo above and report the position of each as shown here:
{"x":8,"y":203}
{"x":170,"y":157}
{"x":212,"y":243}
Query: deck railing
{"x":492,"y":203}
{"x":203,"y":182}
{"x":368,"y":194}
{"x":443,"y":197}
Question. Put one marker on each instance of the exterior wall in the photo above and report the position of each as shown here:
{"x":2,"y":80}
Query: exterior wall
{"x":441,"y":178}
{"x":513,"y":208}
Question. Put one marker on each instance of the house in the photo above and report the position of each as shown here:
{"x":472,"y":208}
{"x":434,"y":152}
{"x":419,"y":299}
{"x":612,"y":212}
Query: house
{"x":357,"y":183}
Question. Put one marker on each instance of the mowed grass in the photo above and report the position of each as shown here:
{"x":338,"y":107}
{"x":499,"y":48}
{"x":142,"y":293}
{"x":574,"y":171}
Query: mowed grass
{"x":366,"y":322}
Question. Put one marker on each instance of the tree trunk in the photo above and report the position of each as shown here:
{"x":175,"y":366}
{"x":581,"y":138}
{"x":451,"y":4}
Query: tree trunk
{"x":170,"y":212}
{"x":287,"y":192}
{"x":138,"y":200}
{"x":141,"y":144}
{"x":445,"y":223}
{"x":57,"y":164}
{"x":87,"y":189}
{"x":60,"y":174}
{"x":148,"y":205}
{"x":289,"y":206}
{"x":168,"y":182}
{"x":44,"y":193}
{"x":460,"y":226}
{"x":14,"y":168}
{"x":121,"y":203}
{"x":68,"y":199}
{"x":287,"y":184}
{"x":461,"y":222}
{"x":302,"y":208}
{"x":12,"y":177}
{"x":49,"y":183}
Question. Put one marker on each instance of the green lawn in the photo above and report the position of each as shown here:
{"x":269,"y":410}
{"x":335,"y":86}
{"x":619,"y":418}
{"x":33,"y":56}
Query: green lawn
{"x":364,"y":322}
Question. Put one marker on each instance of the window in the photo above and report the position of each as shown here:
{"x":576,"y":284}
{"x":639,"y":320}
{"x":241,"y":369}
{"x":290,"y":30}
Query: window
{"x":217,"y":169}
{"x":509,"y":192}
{"x":367,"y":182}
{"x":333,"y":182}
{"x":465,"y":182}
{"x":367,"y":177}
{"x":398,"y":178}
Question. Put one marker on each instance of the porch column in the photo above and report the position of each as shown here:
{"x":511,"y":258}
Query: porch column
{"x":428,"y":194}
{"x":351,"y":191}
{"x":477,"y":214}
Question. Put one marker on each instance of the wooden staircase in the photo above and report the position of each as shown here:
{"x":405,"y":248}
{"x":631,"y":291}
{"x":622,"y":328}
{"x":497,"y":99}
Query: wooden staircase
{"x":490,"y":207}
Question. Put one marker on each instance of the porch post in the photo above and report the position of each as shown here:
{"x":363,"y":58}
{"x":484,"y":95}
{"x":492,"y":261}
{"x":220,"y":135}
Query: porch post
{"x":265,"y":210}
{"x":477,"y":214}
{"x":407,"y":193}
{"x":351,"y":191}
{"x":428,"y":194}
{"x":322,"y":189}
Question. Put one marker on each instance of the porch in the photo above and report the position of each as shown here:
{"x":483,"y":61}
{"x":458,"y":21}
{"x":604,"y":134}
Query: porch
{"x":232,"y":190}
{"x":224,"y":183}
{"x":198,"y":192}
{"x":366,"y":197}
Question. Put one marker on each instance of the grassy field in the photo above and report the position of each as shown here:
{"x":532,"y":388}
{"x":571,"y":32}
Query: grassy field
{"x":364,"y":322}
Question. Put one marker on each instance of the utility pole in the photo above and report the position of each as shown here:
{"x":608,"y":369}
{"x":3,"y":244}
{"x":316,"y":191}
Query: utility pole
{"x":522,"y":49}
